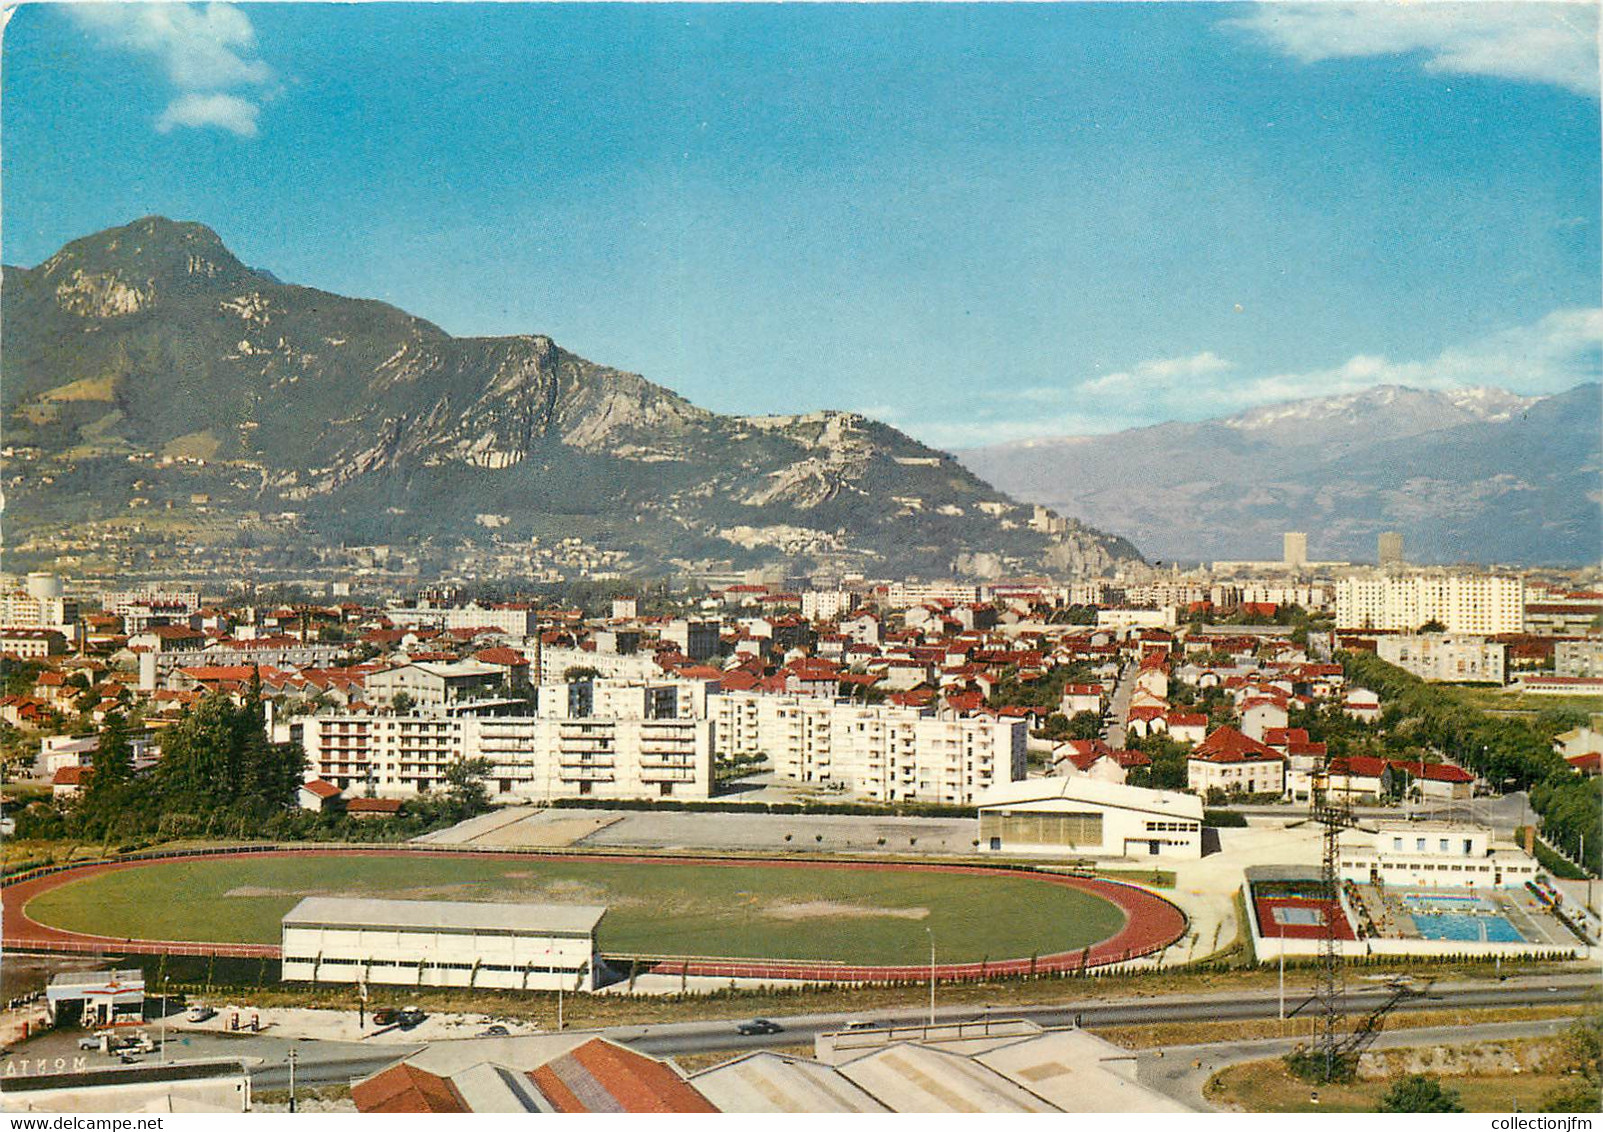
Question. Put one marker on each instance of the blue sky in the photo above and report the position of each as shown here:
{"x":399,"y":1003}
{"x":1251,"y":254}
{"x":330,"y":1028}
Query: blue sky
{"x":978,"y":222}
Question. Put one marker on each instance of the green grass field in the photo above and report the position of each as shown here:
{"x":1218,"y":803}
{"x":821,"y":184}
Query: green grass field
{"x":671,"y":908}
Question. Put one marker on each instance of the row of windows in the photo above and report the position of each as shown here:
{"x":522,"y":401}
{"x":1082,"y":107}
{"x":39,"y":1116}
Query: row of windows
{"x":1173,"y":826}
{"x":414,"y":965}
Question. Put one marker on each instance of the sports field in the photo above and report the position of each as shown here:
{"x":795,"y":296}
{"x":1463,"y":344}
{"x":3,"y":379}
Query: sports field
{"x":861,"y":915}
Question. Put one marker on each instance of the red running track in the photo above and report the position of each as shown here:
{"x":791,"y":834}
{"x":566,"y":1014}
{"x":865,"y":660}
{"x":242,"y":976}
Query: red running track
{"x":1151,"y":923}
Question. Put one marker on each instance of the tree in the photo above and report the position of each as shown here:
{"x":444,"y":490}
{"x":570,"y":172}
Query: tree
{"x":579,"y":672}
{"x":114,"y":756}
{"x":1420,"y":1093}
{"x":464,"y":781}
{"x":1582,"y":1051}
{"x":1085,"y":725}
{"x":1433,"y":626}
{"x":402,"y":703}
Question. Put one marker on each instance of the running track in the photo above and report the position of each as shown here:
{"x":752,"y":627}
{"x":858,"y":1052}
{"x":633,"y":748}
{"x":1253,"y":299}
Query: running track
{"x":1151,"y":923}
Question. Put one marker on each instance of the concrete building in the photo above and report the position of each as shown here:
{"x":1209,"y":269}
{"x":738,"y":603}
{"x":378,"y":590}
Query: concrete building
{"x":1433,"y":855}
{"x":432,"y":684}
{"x":96,"y":998}
{"x":1462,"y":603}
{"x":996,"y":1066}
{"x":532,"y":759}
{"x":886,"y":753}
{"x":1582,"y":656}
{"x":696,"y":639}
{"x":1445,"y":657}
{"x":1294,"y":549}
{"x":513,"y":620}
{"x":441,"y":943}
{"x":1084,"y":816}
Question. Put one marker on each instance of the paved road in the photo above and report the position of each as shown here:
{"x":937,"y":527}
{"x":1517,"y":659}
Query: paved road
{"x":1119,"y":706}
{"x":711,"y":1037}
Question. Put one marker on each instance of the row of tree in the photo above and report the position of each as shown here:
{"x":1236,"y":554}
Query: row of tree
{"x":222,"y":776}
{"x":1510,"y":752}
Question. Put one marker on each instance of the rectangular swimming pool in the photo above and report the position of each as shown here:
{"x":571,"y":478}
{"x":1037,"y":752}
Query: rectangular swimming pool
{"x":1459,"y":918}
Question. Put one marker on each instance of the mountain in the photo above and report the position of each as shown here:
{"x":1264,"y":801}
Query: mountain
{"x":1466,"y":475}
{"x":154,"y":389}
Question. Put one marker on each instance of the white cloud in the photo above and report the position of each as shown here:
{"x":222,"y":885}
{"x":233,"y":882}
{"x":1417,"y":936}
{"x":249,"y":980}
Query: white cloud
{"x":1160,"y":371}
{"x":1558,"y":352}
{"x":1553,"y":43}
{"x":225,"y":111}
{"x":208,"y":54}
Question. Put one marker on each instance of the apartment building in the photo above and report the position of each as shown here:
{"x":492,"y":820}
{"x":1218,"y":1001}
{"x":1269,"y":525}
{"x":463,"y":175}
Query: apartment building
{"x":1445,"y":657}
{"x":888,"y":754}
{"x":532,"y":759}
{"x":1461,"y":603}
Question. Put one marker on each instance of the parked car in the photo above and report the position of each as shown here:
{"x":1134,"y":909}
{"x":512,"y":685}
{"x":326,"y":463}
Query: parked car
{"x":200,"y":1014}
{"x":859,"y":1024}
{"x":410,"y":1017}
{"x":385,"y":1016}
{"x":91,"y":1042}
{"x":759,"y":1026}
{"x":495,"y":1031}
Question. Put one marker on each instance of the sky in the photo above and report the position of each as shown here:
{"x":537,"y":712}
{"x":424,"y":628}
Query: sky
{"x":980,"y":223}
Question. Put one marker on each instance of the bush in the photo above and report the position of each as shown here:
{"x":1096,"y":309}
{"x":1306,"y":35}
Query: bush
{"x":1420,"y":1093}
{"x":1223,"y":819}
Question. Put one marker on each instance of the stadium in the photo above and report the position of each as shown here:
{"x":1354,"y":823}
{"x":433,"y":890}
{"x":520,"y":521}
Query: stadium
{"x":817,"y":920}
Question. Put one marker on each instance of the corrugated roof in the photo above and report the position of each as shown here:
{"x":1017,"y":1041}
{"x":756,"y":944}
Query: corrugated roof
{"x":446,"y":915}
{"x":910,"y":1078}
{"x":776,"y":1082}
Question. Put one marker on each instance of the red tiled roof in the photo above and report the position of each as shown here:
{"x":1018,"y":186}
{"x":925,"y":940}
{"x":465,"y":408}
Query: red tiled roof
{"x":373,"y":806}
{"x":1227,"y":745}
{"x":602,"y":1077}
{"x":72,"y":776}
{"x":406,"y":1088}
{"x":320,"y":788}
{"x":510,"y":657}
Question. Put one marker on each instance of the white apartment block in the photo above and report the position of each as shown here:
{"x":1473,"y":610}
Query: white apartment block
{"x":514,"y":621}
{"x":1463,"y":603}
{"x":1581,"y":657}
{"x":532,"y":759}
{"x":1445,"y":657}
{"x":905,"y":595}
{"x":22,"y":610}
{"x":827,"y":605}
{"x":888,"y":754}
{"x":608,"y":665}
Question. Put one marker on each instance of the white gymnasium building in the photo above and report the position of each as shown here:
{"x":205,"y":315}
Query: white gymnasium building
{"x":441,"y":943}
{"x":1087,"y":817}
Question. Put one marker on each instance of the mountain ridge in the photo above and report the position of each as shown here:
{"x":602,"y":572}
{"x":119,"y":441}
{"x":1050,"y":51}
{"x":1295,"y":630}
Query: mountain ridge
{"x":1464,"y":474}
{"x":147,"y":366}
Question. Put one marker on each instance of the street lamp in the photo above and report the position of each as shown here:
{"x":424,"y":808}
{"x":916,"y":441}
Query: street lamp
{"x":931,"y":933}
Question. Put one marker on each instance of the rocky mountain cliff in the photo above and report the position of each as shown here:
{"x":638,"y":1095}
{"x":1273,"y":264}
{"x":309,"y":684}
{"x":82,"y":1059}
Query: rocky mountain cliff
{"x":1465,"y":475}
{"x":149,"y":375}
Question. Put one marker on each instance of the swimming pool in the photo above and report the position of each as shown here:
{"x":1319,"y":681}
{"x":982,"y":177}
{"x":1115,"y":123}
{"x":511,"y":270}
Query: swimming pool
{"x":1459,"y":918}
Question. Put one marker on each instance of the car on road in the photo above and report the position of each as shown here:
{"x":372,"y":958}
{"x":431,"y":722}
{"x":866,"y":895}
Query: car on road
{"x":410,"y":1017}
{"x":200,"y":1014}
{"x":495,"y":1031}
{"x":92,"y":1042}
{"x":859,"y":1024}
{"x":759,"y":1026}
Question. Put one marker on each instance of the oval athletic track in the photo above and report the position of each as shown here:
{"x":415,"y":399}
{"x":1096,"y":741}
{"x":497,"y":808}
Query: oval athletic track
{"x":1151,"y":923}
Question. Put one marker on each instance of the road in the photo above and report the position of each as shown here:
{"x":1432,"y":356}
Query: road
{"x":325,"y":1062}
{"x":713,"y":1037}
{"x":1119,"y":706}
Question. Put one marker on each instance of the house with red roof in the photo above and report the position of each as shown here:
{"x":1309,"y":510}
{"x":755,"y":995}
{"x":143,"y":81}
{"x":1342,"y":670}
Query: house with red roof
{"x":545,"y":1073}
{"x":1186,"y":727}
{"x":1235,"y":763}
{"x":319,"y":795}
